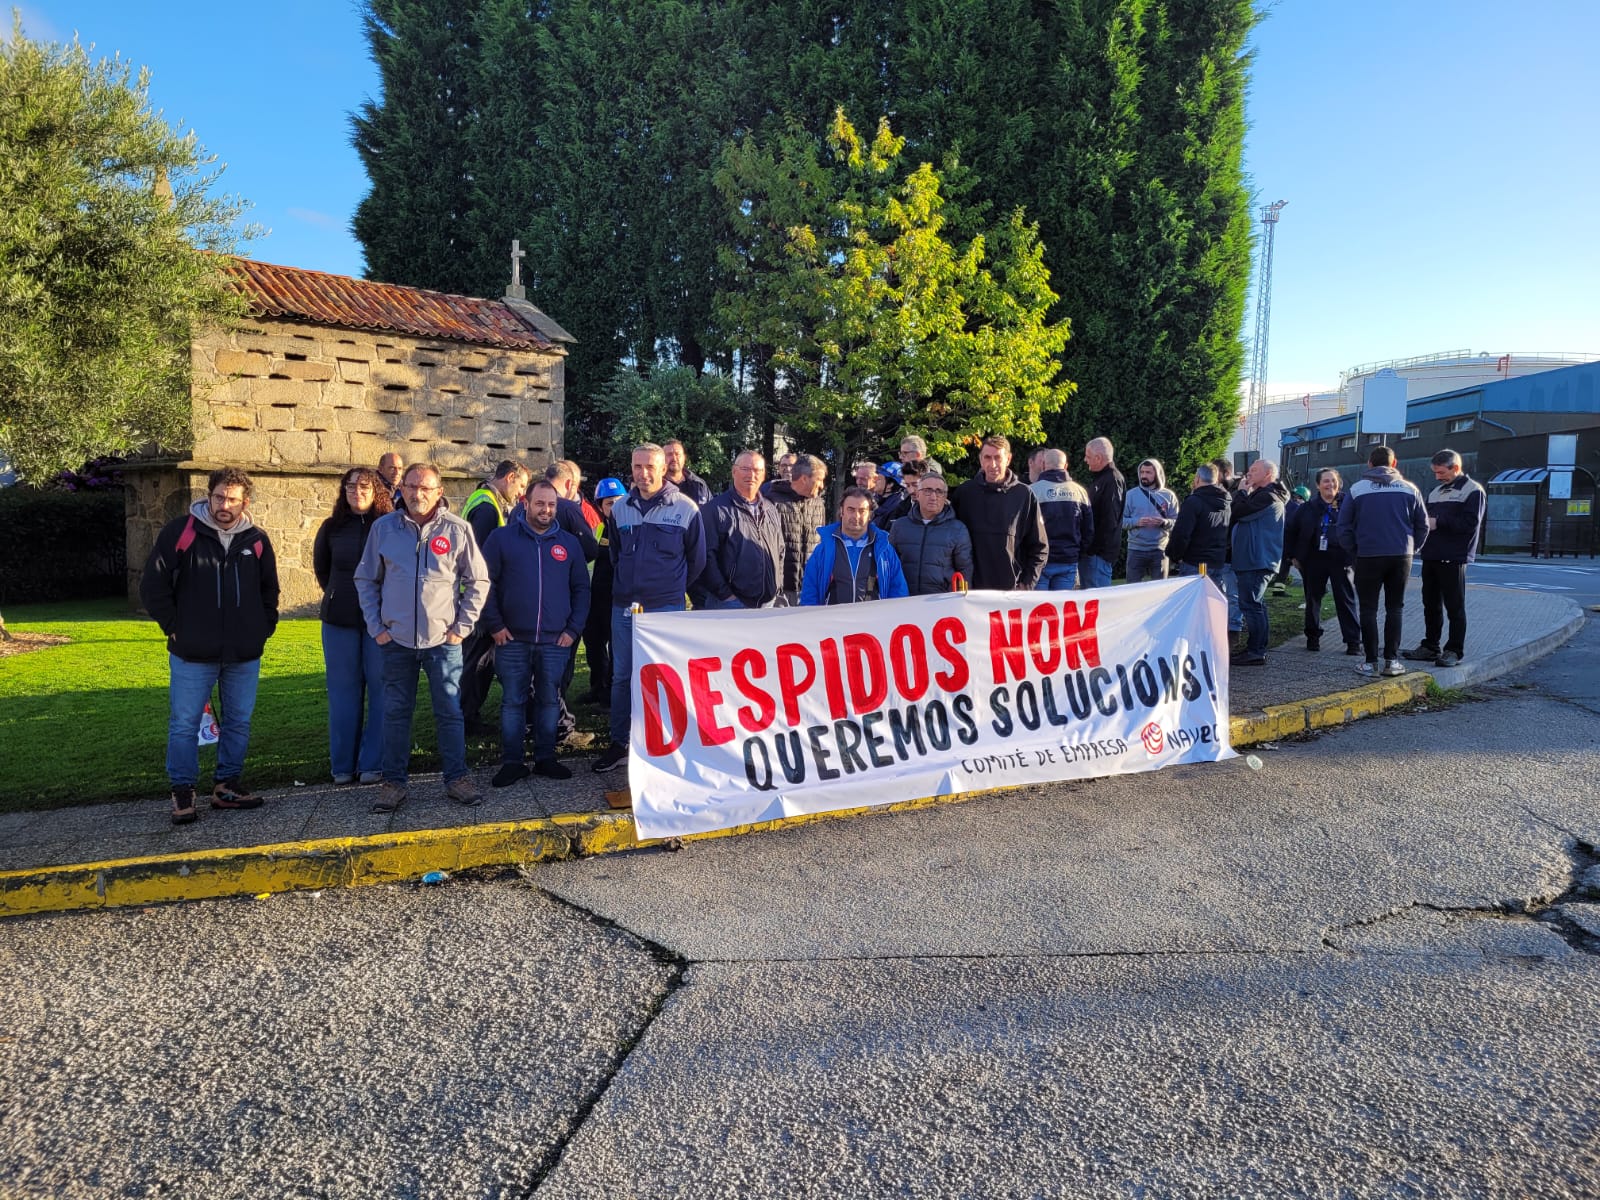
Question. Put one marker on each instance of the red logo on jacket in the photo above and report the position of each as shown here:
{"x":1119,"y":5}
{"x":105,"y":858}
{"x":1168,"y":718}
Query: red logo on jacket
{"x":558,"y":552}
{"x":440,"y":544}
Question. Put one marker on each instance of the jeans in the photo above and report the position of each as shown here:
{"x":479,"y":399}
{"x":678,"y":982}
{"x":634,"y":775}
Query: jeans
{"x":442,"y":665}
{"x":1229,"y":583}
{"x":1444,"y":593}
{"x":1094,"y":571}
{"x":1341,"y":581}
{"x":1252,"y":607}
{"x":1387,"y":573}
{"x":517,"y":663}
{"x":1187,"y":570}
{"x":1057,"y":577}
{"x":353,"y":663}
{"x":187,"y":696}
{"x":1146,"y":564}
{"x":622,"y":671}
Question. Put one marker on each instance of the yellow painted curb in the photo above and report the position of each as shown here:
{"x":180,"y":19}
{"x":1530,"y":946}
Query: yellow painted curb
{"x":394,"y":857}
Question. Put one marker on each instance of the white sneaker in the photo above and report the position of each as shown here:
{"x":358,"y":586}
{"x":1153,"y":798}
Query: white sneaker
{"x":1393,"y":666}
{"x":1366,"y":668}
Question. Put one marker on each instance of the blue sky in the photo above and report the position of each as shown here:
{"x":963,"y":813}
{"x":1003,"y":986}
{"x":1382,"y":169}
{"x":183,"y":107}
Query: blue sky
{"x":1438,"y":157}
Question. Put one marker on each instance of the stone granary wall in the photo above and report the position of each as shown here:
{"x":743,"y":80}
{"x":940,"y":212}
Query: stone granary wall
{"x":296,"y":403}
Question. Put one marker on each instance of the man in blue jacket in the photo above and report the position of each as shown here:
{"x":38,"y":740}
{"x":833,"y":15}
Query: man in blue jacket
{"x":657,"y":548}
{"x":1455,"y":520}
{"x":1068,"y":522}
{"x":1381,"y":524}
{"x":538,"y":603}
{"x":744,"y":540}
{"x":1257,"y":549}
{"x":854,"y":560}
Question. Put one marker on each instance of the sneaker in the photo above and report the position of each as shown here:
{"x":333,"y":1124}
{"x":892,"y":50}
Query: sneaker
{"x":230,"y":793}
{"x":464,"y":792}
{"x":1394,"y":666}
{"x":1423,"y":653}
{"x":575,"y":741}
{"x":508,"y":774}
{"x":1367,"y":668}
{"x":1313,"y":643}
{"x":183,"y":812}
{"x":343,"y":778}
{"x":613,"y":757}
{"x":551,"y":769}
{"x":1280,"y":589}
{"x":390,"y":797}
{"x":371,"y":777}
{"x":1449,"y":659}
{"x":1248,"y":660}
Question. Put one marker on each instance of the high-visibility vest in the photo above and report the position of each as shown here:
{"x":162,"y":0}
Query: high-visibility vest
{"x":478,"y":497}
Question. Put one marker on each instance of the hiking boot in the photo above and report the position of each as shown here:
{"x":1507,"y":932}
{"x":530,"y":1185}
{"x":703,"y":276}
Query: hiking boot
{"x":1449,"y":659}
{"x":390,"y":797}
{"x":183,"y":812}
{"x":508,"y":774}
{"x":231,"y":793}
{"x":464,"y":792}
{"x":575,"y":741}
{"x":1393,"y":667}
{"x":1423,"y":653}
{"x":551,"y":769}
{"x":613,"y":757}
{"x":1367,"y":668}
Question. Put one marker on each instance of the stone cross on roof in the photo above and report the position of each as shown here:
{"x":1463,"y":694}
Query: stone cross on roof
{"x":516,"y":291}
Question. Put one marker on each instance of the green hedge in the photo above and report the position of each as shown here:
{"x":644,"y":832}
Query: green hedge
{"x":58,"y":545}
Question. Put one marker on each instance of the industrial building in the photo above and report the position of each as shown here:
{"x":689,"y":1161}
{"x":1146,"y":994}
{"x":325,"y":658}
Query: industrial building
{"x":1532,"y":440}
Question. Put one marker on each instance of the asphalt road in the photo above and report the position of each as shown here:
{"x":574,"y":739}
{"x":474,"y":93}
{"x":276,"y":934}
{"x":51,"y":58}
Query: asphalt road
{"x":1576,"y":578}
{"x":1368,"y":968}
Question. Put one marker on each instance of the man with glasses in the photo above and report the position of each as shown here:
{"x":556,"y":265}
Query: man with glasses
{"x":422,"y":583}
{"x":933,"y":546}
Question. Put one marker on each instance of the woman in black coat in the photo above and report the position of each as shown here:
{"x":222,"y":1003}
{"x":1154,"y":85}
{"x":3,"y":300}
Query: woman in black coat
{"x":1313,"y":543}
{"x":352,"y":660}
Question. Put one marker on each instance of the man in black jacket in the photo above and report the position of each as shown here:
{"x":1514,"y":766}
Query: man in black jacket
{"x":798,"y":500}
{"x":1009,"y":545}
{"x":1201,"y":533}
{"x":744,"y":541}
{"x":1455,"y":521}
{"x":1107,"y":490}
{"x":211,"y":583}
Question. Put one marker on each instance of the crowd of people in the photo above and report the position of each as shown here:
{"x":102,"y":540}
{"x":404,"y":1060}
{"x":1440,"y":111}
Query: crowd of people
{"x":529,"y":567}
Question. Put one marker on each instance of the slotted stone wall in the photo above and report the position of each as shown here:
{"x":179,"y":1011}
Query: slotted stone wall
{"x":296,"y":404}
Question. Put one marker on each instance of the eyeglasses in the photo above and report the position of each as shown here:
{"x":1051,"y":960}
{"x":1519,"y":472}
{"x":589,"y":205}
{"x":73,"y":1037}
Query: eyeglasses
{"x":420,"y":487}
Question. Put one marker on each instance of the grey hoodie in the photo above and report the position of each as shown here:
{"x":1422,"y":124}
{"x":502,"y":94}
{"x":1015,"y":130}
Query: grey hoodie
{"x":1149,"y":502}
{"x":421,"y":584}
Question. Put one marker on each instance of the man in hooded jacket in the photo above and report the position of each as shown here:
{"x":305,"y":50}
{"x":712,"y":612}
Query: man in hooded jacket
{"x":1149,"y":511}
{"x":1009,"y":544}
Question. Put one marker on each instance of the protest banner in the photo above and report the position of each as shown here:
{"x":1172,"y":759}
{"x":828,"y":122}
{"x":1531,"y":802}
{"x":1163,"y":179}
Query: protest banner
{"x":747,"y":716}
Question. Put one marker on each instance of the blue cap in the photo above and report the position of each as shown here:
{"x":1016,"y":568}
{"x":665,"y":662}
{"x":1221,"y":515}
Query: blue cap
{"x":892,"y":470}
{"x":609,"y":488}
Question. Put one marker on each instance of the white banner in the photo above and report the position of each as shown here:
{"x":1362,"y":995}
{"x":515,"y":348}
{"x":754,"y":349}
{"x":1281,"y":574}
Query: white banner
{"x":748,"y":716}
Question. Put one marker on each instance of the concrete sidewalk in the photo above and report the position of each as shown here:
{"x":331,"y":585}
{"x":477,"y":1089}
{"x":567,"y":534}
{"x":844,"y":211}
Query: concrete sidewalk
{"x":321,"y":835}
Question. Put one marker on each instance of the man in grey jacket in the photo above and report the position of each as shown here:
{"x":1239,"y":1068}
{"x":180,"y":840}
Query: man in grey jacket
{"x":933,"y":546}
{"x":422,"y":583}
{"x":1148,"y":514}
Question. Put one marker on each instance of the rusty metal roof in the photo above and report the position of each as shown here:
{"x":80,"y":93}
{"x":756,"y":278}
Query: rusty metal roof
{"x":340,"y":300}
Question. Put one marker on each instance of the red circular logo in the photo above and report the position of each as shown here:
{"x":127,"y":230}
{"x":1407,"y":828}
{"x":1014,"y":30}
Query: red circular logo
{"x":1152,"y":737}
{"x":559,"y":553}
{"x":440,"y":544}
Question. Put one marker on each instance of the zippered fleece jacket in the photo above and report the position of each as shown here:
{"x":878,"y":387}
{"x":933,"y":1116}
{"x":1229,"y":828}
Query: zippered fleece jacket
{"x":1140,"y":502}
{"x":1258,"y":527}
{"x":1383,"y":516}
{"x":1068,"y":516}
{"x":538,"y":583}
{"x":658,"y":548}
{"x":1200,"y":534}
{"x":216,"y":603}
{"x":334,"y":557}
{"x":1457,"y":511}
{"x":422,"y":583}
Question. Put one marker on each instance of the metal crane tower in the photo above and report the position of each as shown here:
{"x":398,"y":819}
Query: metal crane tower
{"x":1258,"y":349}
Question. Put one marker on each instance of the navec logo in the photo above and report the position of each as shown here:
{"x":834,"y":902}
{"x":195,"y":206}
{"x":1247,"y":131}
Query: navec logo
{"x":559,"y":553}
{"x":440,"y":544}
{"x":1153,"y":738}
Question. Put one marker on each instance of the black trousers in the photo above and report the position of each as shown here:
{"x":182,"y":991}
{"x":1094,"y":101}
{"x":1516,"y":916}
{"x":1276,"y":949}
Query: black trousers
{"x":477,"y":671}
{"x":1321,"y":578}
{"x":1444,"y":593}
{"x":1389,"y":574}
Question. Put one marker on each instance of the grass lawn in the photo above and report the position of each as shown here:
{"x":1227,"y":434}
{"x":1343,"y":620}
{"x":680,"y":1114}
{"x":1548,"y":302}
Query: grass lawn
{"x":86,"y":721}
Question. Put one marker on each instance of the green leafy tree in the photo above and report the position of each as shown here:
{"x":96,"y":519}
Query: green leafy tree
{"x":878,"y":325}
{"x":704,"y":411}
{"x":106,"y":221}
